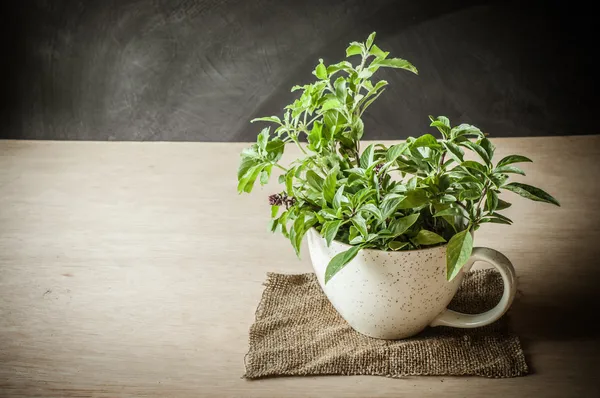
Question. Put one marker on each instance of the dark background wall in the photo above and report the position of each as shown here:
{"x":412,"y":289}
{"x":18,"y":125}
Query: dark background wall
{"x":200,"y":70}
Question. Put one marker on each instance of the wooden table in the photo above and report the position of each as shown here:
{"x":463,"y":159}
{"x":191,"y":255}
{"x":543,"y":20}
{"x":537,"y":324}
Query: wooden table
{"x":134,"y":269}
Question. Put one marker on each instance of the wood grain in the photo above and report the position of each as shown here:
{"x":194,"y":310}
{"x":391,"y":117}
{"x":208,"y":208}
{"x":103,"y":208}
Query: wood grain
{"x":134,"y":269}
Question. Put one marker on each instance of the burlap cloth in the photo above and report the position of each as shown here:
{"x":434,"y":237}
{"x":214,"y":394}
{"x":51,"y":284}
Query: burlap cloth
{"x":298,"y":333}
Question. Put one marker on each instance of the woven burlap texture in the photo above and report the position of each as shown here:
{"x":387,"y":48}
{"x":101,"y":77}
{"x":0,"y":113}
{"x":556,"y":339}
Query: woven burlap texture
{"x":297,"y":332}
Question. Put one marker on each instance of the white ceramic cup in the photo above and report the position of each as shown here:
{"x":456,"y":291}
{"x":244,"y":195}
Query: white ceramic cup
{"x":394,"y":295}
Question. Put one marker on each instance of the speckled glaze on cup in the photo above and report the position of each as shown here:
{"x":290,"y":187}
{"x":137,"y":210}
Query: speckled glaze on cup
{"x":394,"y":295}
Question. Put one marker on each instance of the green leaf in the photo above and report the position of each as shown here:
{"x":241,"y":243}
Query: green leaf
{"x":414,"y":199}
{"x":426,"y":140}
{"x":401,"y":225}
{"x":289,"y":180}
{"x":494,"y":220}
{"x":372,"y":237}
{"x":344,"y":65}
{"x":310,"y":219}
{"x":389,"y":206}
{"x":359,"y":222}
{"x":357,"y":240}
{"x":298,"y":233}
{"x":273,"y":224}
{"x":329,"y":185}
{"x":469,"y":194}
{"x":275,"y":149}
{"x":377,"y":52}
{"x":370,"y":40}
{"x":358,"y":129}
{"x":454,"y":151}
{"x":471,"y":164}
{"x":426,"y":238}
{"x":478,"y":149}
{"x":337,"y":199}
{"x":273,"y":119}
{"x":263,"y":138}
{"x":358,"y":171}
{"x":274,"y":211}
{"x":321,"y":70}
{"x":332,"y":103}
{"x":465,"y":130}
{"x":366,"y":73}
{"x":340,"y":89}
{"x":397,"y":63}
{"x":265,"y":174}
{"x":361,"y":196}
{"x":448,"y":198}
{"x":509,"y":169}
{"x":314,"y":137}
{"x":395,"y":151}
{"x":491,"y":202}
{"x":339,"y":261}
{"x":371,"y":100}
{"x":444,"y":182}
{"x":379,"y":85}
{"x":442,"y":124}
{"x":497,"y":179}
{"x":330,"y":230}
{"x":328,"y":213}
{"x":394,"y":195}
{"x":355,"y":48}
{"x":353,"y":233}
{"x":395,"y":245}
{"x":306,"y":99}
{"x":459,"y":250}
{"x":371,"y":208}
{"x":463,"y":177}
{"x":488,"y":146}
{"x":502,"y":217}
{"x":451,"y":211}
{"x":444,"y":120}
{"x":503,"y":204}
{"x":246,"y":164}
{"x":246,"y":183}
{"x":314,"y":180}
{"x":366,"y":158}
{"x":530,"y":192}
{"x":512,"y":159}
{"x":283,"y":222}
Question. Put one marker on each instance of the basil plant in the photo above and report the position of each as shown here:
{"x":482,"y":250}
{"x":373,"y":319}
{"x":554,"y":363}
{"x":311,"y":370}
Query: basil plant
{"x":417,"y":194}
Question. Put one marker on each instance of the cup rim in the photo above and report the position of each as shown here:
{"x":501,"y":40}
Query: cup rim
{"x":444,"y":246}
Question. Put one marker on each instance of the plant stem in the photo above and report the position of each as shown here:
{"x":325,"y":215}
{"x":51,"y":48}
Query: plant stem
{"x":458,"y":202}
{"x":300,"y":146}
{"x":362,"y":63}
{"x":281,"y":167}
{"x":483,"y":196}
{"x":313,"y":119}
{"x":330,"y":87}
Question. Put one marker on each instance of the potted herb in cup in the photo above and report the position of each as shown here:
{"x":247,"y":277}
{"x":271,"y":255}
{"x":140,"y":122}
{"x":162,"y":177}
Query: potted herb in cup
{"x":390,"y":229}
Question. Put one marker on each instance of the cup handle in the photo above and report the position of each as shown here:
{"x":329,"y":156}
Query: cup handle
{"x":504,"y":266}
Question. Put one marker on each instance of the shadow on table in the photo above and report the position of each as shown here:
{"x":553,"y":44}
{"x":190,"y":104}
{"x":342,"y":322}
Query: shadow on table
{"x":560,"y":302}
{"x":572,"y":318}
